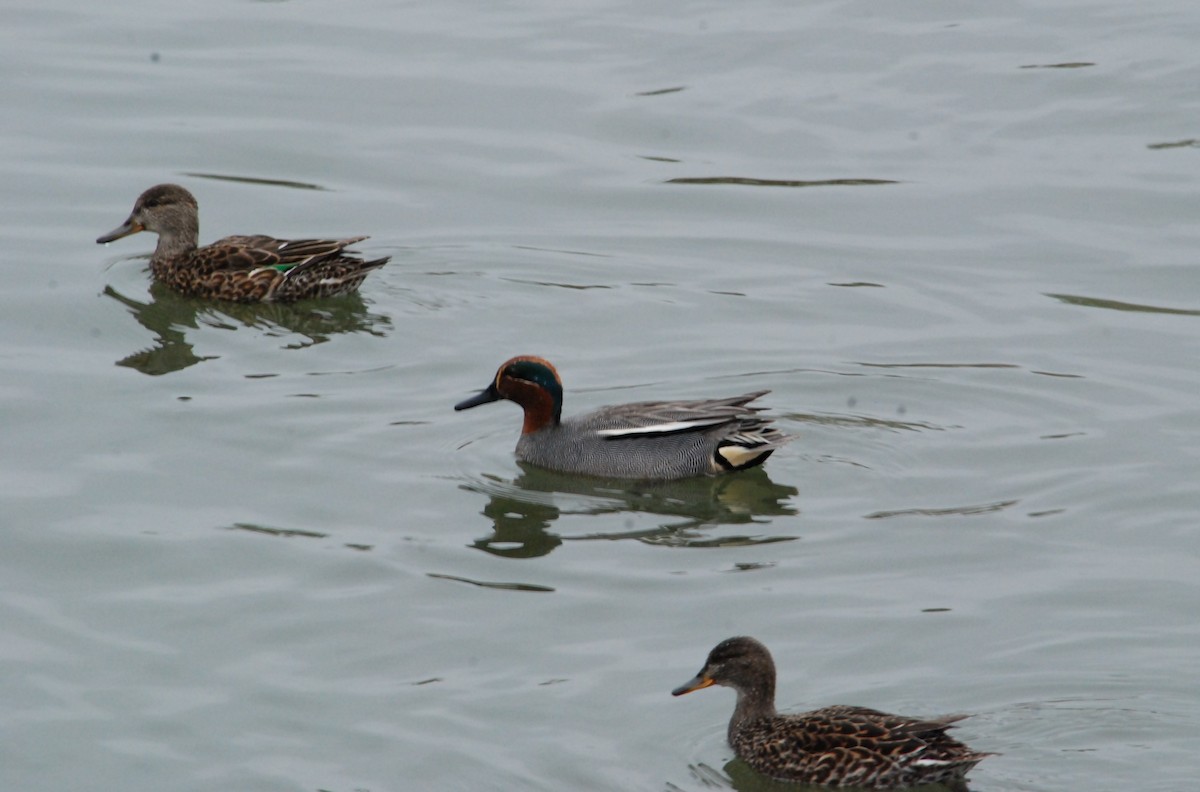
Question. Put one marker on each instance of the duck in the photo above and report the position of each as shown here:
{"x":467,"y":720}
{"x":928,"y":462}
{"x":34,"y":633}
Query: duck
{"x":244,"y":269}
{"x":834,"y":746}
{"x":655,"y":440}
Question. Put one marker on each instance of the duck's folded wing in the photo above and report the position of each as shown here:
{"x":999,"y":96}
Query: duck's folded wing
{"x":259,"y":252}
{"x":672,"y":417}
{"x":301,"y":251}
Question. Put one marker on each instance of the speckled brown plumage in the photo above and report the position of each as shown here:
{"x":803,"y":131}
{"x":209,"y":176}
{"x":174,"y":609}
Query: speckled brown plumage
{"x":239,"y":268}
{"x":833,"y":746}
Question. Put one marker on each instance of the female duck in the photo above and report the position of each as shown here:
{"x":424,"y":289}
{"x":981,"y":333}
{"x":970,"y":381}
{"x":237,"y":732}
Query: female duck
{"x":644,"y":440}
{"x":239,"y":268}
{"x":834,"y":746}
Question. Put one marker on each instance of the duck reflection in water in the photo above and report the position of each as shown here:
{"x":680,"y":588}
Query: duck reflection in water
{"x":523,"y":509}
{"x":168,"y":316}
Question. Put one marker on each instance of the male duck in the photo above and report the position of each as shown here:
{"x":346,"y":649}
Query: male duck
{"x":239,"y":268}
{"x":834,"y":746}
{"x":644,"y":440}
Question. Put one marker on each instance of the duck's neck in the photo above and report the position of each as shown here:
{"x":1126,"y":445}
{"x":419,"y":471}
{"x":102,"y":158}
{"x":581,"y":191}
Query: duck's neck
{"x":178,"y":239}
{"x":543,"y":409}
{"x":753,"y":703}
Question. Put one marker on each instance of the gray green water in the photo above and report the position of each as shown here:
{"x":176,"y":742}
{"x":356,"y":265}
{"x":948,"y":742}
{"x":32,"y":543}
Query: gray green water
{"x":239,"y":545}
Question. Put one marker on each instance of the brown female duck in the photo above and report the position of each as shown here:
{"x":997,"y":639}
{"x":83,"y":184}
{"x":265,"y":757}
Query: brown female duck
{"x":833,"y":746}
{"x":239,"y":268}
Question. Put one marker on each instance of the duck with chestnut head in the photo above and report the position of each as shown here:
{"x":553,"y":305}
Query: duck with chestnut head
{"x":655,"y":440}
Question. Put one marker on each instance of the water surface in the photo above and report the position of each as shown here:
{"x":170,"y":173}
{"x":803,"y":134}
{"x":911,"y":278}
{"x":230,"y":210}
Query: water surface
{"x":255,"y":548}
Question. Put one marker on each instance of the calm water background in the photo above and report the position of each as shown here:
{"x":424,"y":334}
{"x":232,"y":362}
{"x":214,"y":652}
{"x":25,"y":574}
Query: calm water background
{"x":240,"y":546}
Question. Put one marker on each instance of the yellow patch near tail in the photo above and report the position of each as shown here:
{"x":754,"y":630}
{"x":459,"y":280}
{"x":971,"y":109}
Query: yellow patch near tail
{"x":739,"y":456}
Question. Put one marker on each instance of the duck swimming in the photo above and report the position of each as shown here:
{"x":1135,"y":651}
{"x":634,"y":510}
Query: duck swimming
{"x":657,"y":440}
{"x":834,"y":746}
{"x":239,"y":268}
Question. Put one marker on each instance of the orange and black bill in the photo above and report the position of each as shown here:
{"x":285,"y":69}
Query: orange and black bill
{"x":701,"y":681}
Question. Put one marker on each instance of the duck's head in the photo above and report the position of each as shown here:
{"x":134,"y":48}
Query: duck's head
{"x":741,"y":663}
{"x":165,"y":209}
{"x":531,"y":382}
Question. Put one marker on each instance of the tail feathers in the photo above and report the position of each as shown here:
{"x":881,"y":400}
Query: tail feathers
{"x":736,"y":457}
{"x":323,"y":278}
{"x":750,"y":446}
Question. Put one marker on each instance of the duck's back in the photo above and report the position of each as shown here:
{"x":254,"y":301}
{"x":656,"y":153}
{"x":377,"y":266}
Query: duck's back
{"x":262,"y":268}
{"x":656,"y":440}
{"x":854,"y":746}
